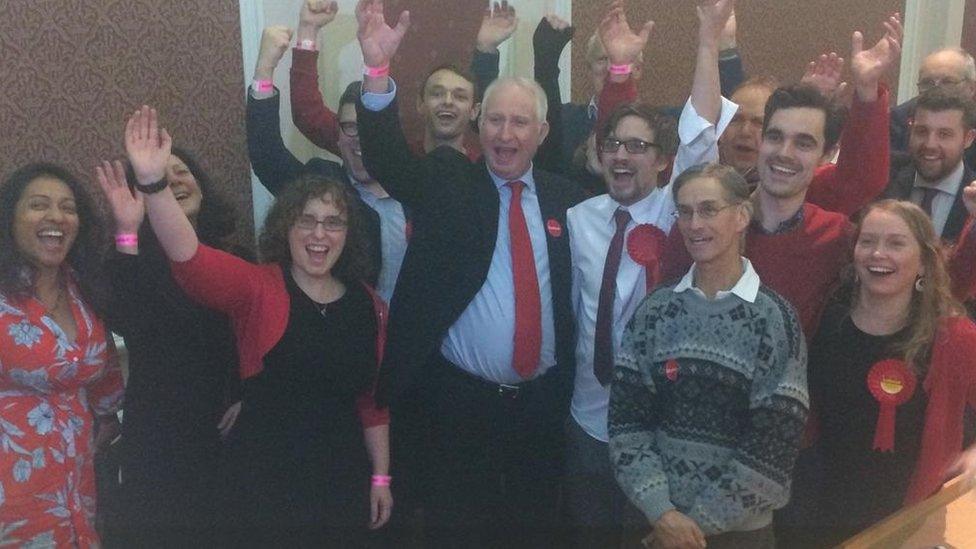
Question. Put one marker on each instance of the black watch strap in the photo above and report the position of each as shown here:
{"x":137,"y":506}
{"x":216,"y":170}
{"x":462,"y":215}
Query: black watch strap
{"x":153,"y":188}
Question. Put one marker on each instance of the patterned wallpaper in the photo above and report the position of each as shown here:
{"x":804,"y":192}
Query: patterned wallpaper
{"x":775,"y":38}
{"x":73,"y":70}
{"x":969,"y":27}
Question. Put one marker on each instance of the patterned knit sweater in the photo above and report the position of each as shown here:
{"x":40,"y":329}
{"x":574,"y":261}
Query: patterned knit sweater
{"x":707,"y":407}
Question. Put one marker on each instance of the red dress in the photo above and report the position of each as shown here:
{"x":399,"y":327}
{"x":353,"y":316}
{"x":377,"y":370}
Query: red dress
{"x":50,"y":390}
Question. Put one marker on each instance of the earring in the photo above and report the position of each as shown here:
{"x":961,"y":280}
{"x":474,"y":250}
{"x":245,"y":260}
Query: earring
{"x":919,"y":283}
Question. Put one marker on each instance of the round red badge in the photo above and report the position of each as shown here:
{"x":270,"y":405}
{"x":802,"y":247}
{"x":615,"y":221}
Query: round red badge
{"x":554,"y":228}
{"x":892,"y":384}
{"x":645,"y":245}
{"x":408,"y":230}
{"x":671,"y":369}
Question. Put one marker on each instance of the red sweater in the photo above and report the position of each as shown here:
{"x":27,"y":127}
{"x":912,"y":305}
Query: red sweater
{"x":949,"y":385}
{"x":256,"y":300}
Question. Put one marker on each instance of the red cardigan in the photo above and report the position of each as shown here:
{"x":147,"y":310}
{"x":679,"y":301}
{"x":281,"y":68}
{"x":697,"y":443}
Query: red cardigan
{"x":256,"y":300}
{"x":949,"y":385}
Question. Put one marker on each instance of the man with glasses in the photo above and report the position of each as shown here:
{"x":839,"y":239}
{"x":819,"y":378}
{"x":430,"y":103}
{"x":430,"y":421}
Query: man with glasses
{"x":951,"y":68}
{"x":709,"y":395}
{"x":615,"y":242}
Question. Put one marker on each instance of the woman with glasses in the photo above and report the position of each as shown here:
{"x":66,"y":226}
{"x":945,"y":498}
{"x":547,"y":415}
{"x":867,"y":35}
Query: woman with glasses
{"x":309,"y":333}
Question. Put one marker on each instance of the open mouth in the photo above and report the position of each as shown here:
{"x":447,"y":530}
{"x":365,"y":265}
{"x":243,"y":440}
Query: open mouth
{"x":51,"y":238}
{"x":181,"y":195}
{"x":505,"y":154}
{"x":880,"y":271}
{"x":780,"y":169}
{"x":317,"y":252}
{"x":744,"y":149}
{"x":446,"y":116}
{"x":622,"y":174}
{"x":699,"y":240}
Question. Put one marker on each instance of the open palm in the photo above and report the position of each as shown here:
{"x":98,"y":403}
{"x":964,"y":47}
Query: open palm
{"x":378,"y":40}
{"x":622,"y":44}
{"x":127,"y":208}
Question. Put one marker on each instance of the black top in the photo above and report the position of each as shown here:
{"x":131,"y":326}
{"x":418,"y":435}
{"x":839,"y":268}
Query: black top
{"x":861,"y":485}
{"x":183,"y":370}
{"x":297,"y":457}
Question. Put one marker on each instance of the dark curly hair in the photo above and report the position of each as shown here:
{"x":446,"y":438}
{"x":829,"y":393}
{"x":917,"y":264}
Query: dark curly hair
{"x":353,"y":265}
{"x":86,"y":254}
{"x":801,"y":95}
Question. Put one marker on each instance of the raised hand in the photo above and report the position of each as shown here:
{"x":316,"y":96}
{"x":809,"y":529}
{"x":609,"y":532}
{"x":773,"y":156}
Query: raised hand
{"x":868,"y":66}
{"x":147,"y":146}
{"x":497,"y":25}
{"x":713,"y":15}
{"x":623,"y":45}
{"x":378,"y":40}
{"x":316,"y":14}
{"x":128,"y":208}
{"x":274,"y":44}
{"x":824,"y":74}
{"x":726,"y":41}
{"x":550,"y":37}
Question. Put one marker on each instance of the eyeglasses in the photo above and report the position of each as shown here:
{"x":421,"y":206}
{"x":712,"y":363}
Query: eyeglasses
{"x":333,"y":223}
{"x":351,"y":129}
{"x":926,"y":84}
{"x":633,"y":146}
{"x":704,"y":211}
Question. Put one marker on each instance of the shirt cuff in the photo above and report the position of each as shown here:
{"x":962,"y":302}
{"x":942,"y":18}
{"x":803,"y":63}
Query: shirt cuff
{"x":261,"y":95}
{"x":379,"y":101}
{"x":691,"y":125}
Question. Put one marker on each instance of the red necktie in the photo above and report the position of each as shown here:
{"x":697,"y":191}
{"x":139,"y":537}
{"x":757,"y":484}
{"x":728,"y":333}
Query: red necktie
{"x":528,"y":304}
{"x":603,"y":337}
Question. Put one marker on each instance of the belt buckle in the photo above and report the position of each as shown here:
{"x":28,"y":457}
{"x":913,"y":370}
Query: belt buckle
{"x":508,"y":391}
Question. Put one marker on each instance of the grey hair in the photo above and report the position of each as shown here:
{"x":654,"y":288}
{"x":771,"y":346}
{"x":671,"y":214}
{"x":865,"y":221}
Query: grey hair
{"x":969,"y":65}
{"x":527,"y":84}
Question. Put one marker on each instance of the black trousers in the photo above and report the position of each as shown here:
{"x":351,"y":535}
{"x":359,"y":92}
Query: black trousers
{"x":494,"y":461}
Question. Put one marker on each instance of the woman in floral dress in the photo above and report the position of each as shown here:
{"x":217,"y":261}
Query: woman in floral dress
{"x":57,"y":373}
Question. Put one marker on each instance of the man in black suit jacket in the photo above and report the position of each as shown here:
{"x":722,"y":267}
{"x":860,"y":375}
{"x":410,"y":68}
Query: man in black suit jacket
{"x":950,"y":68}
{"x":934,"y":174}
{"x":493,"y":453}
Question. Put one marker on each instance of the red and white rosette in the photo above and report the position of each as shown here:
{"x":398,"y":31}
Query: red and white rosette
{"x":892,"y":384}
{"x":671,"y":370}
{"x":645,"y":245}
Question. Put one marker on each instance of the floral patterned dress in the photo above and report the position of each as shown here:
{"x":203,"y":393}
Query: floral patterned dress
{"x":50,"y":387}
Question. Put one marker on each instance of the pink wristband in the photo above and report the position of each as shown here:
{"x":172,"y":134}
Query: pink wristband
{"x":620,"y":70}
{"x":381,"y":480}
{"x":263,"y":86}
{"x":306,"y":44}
{"x":126,"y":239}
{"x":376,"y":72}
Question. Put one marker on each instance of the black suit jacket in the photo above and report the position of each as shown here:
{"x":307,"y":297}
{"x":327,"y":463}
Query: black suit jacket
{"x":900,"y":188}
{"x":455,"y":222}
{"x":276,"y":167}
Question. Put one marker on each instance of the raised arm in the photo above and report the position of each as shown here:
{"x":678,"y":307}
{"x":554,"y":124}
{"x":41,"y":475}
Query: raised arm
{"x":623,"y":47}
{"x":271,"y":161}
{"x":550,"y":37}
{"x":309,"y":112}
{"x":861,"y":172}
{"x":731,"y":73}
{"x":498,"y":23}
{"x":706,"y":90}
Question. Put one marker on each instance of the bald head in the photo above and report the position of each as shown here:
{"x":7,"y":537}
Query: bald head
{"x":950,"y":68}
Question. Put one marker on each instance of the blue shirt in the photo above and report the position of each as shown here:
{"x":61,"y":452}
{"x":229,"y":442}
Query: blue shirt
{"x":393,"y":237}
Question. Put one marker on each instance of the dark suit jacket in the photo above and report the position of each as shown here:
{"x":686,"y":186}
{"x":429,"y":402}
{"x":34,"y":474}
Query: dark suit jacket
{"x":455,"y":222}
{"x":900,"y":188}
{"x":276,"y":167}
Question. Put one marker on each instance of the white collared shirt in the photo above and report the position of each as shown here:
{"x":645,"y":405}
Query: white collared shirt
{"x":746,"y":288}
{"x":948,"y":187}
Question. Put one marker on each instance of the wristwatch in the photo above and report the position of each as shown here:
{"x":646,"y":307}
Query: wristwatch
{"x":153,"y":188}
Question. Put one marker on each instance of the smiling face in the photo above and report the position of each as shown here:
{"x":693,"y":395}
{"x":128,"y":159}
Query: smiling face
{"x":632,"y":176}
{"x":46,"y":222}
{"x":184,"y":186}
{"x":349,"y":149}
{"x":447,"y":105}
{"x":511,"y":130}
{"x":739,"y":145}
{"x":314,"y":251}
{"x":887,"y":256}
{"x":714,"y":237}
{"x":792,"y":148}
{"x":937,"y":142}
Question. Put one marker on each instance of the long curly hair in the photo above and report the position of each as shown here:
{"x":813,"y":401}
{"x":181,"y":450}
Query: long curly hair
{"x":17,"y":274}
{"x":934,"y":302}
{"x":353,"y":265}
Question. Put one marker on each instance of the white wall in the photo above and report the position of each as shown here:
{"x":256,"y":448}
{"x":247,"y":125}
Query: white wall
{"x":929,"y":25}
{"x":340,"y":61}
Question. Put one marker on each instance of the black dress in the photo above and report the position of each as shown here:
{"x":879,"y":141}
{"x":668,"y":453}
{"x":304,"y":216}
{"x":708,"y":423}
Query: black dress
{"x":298,"y":470}
{"x":860,"y":486}
{"x":183,"y":370}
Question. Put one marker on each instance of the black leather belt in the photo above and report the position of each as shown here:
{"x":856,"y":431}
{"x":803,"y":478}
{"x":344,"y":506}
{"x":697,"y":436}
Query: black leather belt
{"x":502,"y":390}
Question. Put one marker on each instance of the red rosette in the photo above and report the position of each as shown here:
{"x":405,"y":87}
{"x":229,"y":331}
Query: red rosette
{"x":645,"y":244}
{"x":671,"y":369}
{"x":892,"y":384}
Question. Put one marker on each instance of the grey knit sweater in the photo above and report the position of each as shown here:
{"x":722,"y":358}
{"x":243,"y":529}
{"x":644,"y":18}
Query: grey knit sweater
{"x":716,"y":437}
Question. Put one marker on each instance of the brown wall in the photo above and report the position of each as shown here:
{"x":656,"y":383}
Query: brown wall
{"x":775,"y":38}
{"x":72,"y":71}
{"x":969,"y":27}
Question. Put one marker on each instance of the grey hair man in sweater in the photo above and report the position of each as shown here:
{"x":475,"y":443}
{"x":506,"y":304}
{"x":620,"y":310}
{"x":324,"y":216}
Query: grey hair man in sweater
{"x":709,"y":395}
